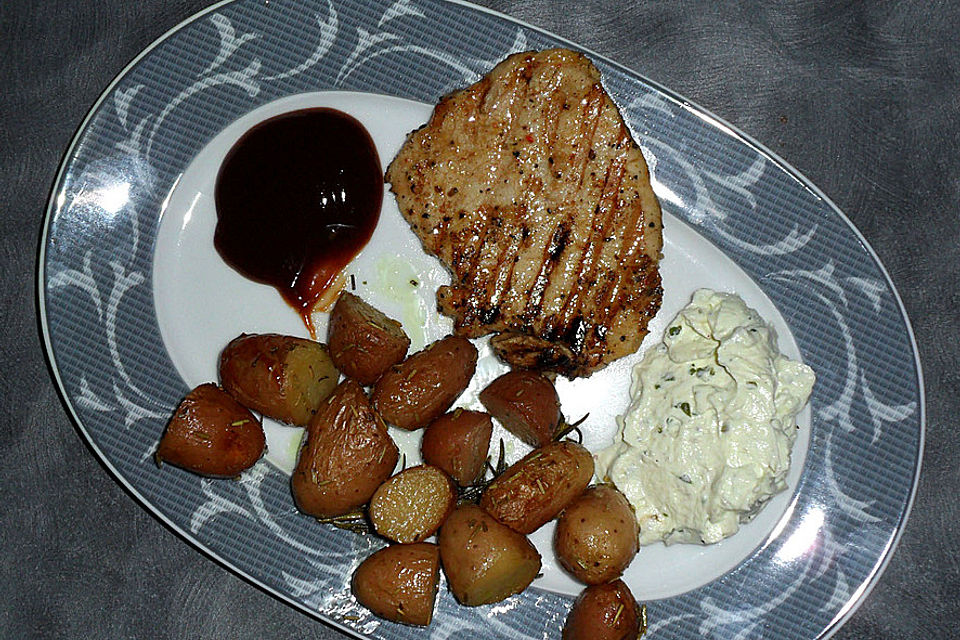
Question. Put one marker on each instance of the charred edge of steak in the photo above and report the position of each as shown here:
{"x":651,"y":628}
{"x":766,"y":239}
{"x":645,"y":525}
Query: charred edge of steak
{"x":530,"y":352}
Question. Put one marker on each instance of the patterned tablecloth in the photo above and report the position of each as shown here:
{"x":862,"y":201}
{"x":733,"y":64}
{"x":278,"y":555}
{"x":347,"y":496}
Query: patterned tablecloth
{"x":862,"y":98}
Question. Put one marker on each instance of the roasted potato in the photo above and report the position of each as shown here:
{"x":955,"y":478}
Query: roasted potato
{"x":485,"y":561}
{"x":415,"y":392}
{"x":604,"y":612}
{"x":282,"y":377}
{"x":526,"y":404}
{"x":458,"y":442}
{"x":347,"y":455}
{"x":363,"y":341}
{"x":399,"y":582}
{"x":411,"y":506}
{"x":540,"y":485}
{"x":212,"y":434}
{"x":597,"y":535}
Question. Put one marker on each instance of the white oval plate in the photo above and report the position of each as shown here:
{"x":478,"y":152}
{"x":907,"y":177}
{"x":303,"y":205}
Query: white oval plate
{"x":136,"y":306}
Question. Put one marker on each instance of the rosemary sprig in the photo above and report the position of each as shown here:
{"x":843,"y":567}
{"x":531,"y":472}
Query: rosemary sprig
{"x":501,"y":462}
{"x":616,"y":618}
{"x":355,"y":521}
{"x":474,"y":491}
{"x":566,"y":428}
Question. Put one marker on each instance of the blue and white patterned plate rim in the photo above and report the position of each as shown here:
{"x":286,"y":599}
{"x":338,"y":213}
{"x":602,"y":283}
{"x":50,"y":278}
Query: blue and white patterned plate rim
{"x":854,"y":598}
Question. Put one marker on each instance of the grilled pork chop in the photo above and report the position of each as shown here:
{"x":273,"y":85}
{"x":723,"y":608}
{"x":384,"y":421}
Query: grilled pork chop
{"x":529,"y":187}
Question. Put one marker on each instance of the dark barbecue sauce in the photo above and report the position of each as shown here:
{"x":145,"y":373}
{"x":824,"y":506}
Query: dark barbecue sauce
{"x":297,"y":197}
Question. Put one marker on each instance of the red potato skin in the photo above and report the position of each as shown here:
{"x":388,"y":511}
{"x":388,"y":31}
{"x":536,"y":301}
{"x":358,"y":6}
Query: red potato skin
{"x":484,"y":561}
{"x":415,"y":392}
{"x":458,"y":443}
{"x":263,"y":372}
{"x":604,"y":612}
{"x":597,"y":535}
{"x":347,"y":455}
{"x":212,"y":434}
{"x":526,"y":404}
{"x":364,"y":342}
{"x":399,"y":582}
{"x":535,"y":489}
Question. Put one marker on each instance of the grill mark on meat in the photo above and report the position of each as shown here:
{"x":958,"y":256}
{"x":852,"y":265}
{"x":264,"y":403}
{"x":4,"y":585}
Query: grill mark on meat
{"x":608,"y":306}
{"x":475,"y":306}
{"x":592,"y":112}
{"x":528,"y":188}
{"x":548,"y":261}
{"x":551,"y":252}
{"x":571,"y":177}
{"x":633,"y":232}
{"x":561,"y":255}
{"x":590,"y":264}
{"x":559,"y":242}
{"x":589,"y":257}
{"x":519,"y":235}
{"x":486,"y":273}
{"x":619,"y":287}
{"x":472,"y":246}
{"x":612,"y":230}
{"x":504,"y":262}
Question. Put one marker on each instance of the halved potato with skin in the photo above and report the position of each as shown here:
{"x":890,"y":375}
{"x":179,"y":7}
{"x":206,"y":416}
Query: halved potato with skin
{"x":458,"y":442}
{"x":597,"y":535}
{"x":347,"y":455}
{"x":282,"y":377}
{"x":415,"y":392}
{"x":484,"y":561}
{"x":526,"y":404}
{"x":399,"y":582}
{"x":604,"y":612}
{"x":363,"y":341}
{"x":411,"y":506}
{"x":212,"y":434}
{"x":534,"y":490}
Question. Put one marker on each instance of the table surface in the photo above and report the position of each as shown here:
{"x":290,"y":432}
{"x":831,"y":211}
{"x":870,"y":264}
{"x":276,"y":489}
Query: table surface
{"x":862,"y":98}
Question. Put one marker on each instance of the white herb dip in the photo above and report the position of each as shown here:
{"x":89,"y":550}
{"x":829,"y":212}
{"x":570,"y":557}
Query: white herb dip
{"x":706,"y":440}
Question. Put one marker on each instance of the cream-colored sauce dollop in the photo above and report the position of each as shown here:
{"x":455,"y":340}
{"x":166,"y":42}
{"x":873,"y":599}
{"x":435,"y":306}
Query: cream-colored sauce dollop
{"x":706,"y":440}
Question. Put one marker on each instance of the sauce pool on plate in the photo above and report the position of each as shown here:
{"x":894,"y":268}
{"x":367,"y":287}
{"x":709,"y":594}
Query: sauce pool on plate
{"x":297,"y":197}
